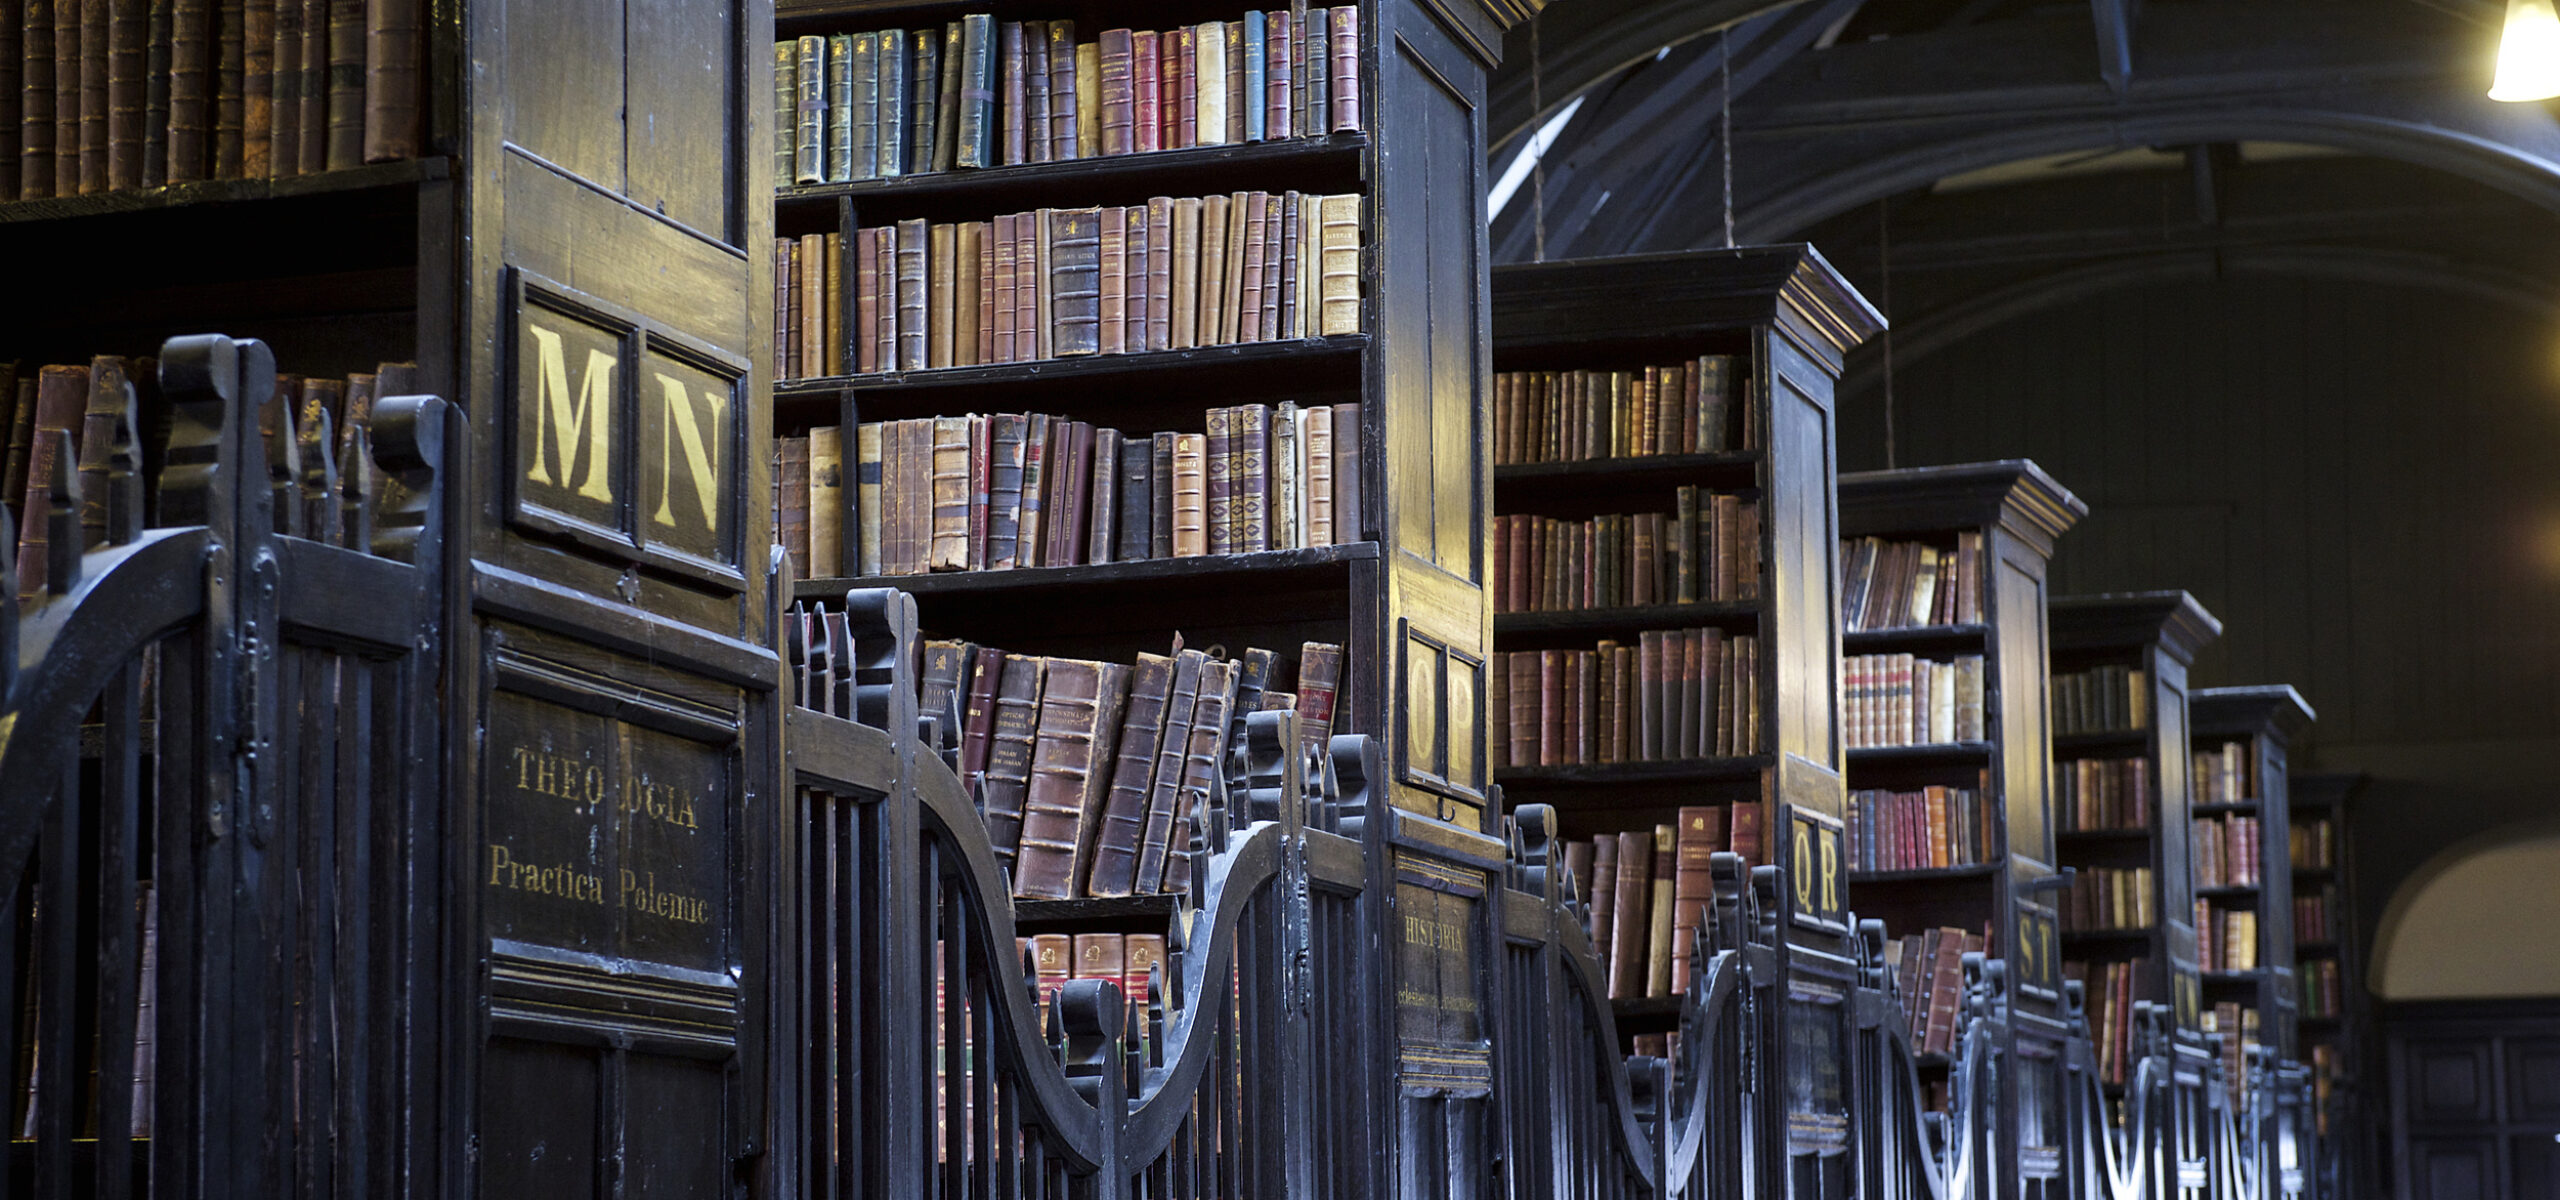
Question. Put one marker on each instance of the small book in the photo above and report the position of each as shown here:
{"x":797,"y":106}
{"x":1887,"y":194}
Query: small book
{"x":977,"y":717}
{"x":977,"y":144}
{"x":1208,"y":82}
{"x":1134,"y":537}
{"x":1069,"y":772}
{"x":867,"y":499}
{"x":1122,"y":830}
{"x":1061,"y":36}
{"x":1660,"y":912}
{"x":1013,"y":733}
{"x":826,"y":504}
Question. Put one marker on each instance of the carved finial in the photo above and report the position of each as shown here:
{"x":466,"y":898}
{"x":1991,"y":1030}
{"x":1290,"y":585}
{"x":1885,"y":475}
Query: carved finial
{"x":284,"y":458}
{"x":407,"y":434}
{"x":110,"y":462}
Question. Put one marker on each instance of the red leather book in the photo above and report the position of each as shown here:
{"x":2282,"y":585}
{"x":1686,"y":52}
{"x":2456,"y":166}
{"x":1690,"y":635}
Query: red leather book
{"x":1146,"y":82}
{"x":1062,"y":90}
{"x":1279,"y":76}
{"x":1005,"y":314}
{"x":1119,"y":92}
{"x":1182,"y":90}
{"x":1112,"y":281}
{"x":1345,"y":31}
{"x":1016,"y":74}
{"x":977,"y":717}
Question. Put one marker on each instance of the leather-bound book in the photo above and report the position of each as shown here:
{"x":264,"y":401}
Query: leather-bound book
{"x":21,"y":430}
{"x":1030,"y":536}
{"x":66,"y":97}
{"x":1111,"y":280}
{"x":1070,"y":769}
{"x":1160,"y":496}
{"x":1102,"y":497}
{"x":1102,"y":956}
{"x":1213,"y":270}
{"x":1146,"y":954}
{"x":1221,"y":705}
{"x":891,"y":118}
{"x":1156,"y":269}
{"x":1088,"y":100}
{"x":1231,"y":303}
{"x":128,"y":27}
{"x":829,"y":280}
{"x":944,"y":683}
{"x":1316,"y":439}
{"x":1315,"y":58}
{"x":948,"y":548}
{"x":1746,"y":827}
{"x":1036,"y":84}
{"x":1237,"y":104}
{"x":1555,"y":739}
{"x":94,"y":54}
{"x":62,"y":395}
{"x":284,"y":88}
{"x":824,"y":484}
{"x":810,"y":322}
{"x":1700,"y":836}
{"x":1122,"y":830}
{"x":1036,"y":289}
{"x":1146,"y":92}
{"x":1660,"y":913}
{"x":1133,"y":539}
{"x":1288,"y":477}
{"x":978,"y":139}
{"x":1004,"y":489}
{"x":1287,"y":316}
{"x":1497,"y":707}
{"x":1208,"y":82}
{"x":229,"y":67}
{"x":1272,"y":261}
{"x":1339,"y":264}
{"x":1133,"y":278}
{"x":1013,"y":101}
{"x":1182,"y":89}
{"x":808,"y":111}
{"x":1280,"y":76}
{"x":911,"y":285}
{"x":1075,"y":497}
{"x":1182,"y":281}
{"x":335,"y":74}
{"x":1252,"y":34}
{"x":969,"y":247}
{"x":1053,"y":959}
{"x":1012,"y":734}
{"x":1347,"y":515}
{"x":1003,"y":275}
{"x":862,"y":118}
{"x":312,"y":126}
{"x":978,"y":715}
{"x":942,"y":293}
{"x":891,"y":496}
{"x":1629,"y":930}
{"x":1345,"y":30}
{"x":1221,"y":465}
{"x":1061,"y":36}
{"x":1249,"y":482}
{"x":1190,"y":510}
{"x":35,"y":101}
{"x":1946,"y":991}
{"x":866,"y":301}
{"x":839,"y":108}
{"x":1248,"y":317}
{"x":1192,"y":672}
{"x":885,"y":331}
{"x":1604,"y":900}
{"x":1521,"y":670}
{"x":946,"y":110}
{"x":923,"y":105}
{"x":1057,"y":467}
{"x":1319,"y":682}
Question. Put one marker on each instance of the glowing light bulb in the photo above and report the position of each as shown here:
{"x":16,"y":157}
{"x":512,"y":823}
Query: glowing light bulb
{"x":2528,"y":53}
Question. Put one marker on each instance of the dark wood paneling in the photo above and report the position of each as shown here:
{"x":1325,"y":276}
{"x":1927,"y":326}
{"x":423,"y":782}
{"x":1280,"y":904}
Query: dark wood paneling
{"x":2453,"y":1168}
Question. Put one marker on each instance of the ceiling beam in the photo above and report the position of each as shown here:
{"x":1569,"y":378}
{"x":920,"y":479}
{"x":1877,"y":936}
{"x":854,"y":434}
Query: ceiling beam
{"x":1570,"y":48}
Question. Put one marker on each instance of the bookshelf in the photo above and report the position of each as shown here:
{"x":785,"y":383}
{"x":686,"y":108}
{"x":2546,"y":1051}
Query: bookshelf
{"x":1776,"y":320}
{"x":1988,"y":530}
{"x":2242,"y":736}
{"x":2121,"y":757}
{"x":2334,"y":1037}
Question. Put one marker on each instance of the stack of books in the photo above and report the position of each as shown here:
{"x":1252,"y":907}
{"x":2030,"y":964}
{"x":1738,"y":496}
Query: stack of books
{"x":1918,"y":830}
{"x":1569,"y":416}
{"x":1676,"y":694}
{"x":1928,"y":977}
{"x":1708,"y":549}
{"x":1646,"y":890}
{"x":1902,"y":700}
{"x":1899,"y":585}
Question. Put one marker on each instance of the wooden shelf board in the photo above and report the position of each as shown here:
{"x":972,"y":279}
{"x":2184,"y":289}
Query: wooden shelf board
{"x":1262,"y":567}
{"x":2228,"y":893}
{"x":2319,"y":948}
{"x":405,"y":173}
{"x":1512,"y":481}
{"x":1292,"y":162}
{"x":2106,"y":935}
{"x":1964,"y":873}
{"x":1687,"y":770}
{"x":1598,"y":622}
{"x":2217,"y":807}
{"x":2314,"y":872}
{"x":1134,"y":914}
{"x":2136,"y":834}
{"x":2230,"y":978}
{"x":1342,"y":349}
{"x":1971,"y":754}
{"x":2113,"y":739}
{"x":1916,"y":638}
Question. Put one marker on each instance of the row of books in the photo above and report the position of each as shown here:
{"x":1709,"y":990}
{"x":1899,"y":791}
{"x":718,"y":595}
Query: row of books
{"x":2093,"y":794}
{"x":1900,"y":700}
{"x":993,"y":493}
{"x":1707,"y":549}
{"x":2238,"y":1025}
{"x":2323,"y":987}
{"x":1694,"y":407}
{"x":2109,"y":699}
{"x":2109,"y":898}
{"x":1126,"y":959}
{"x":47,"y":415}
{"x":2226,"y":851}
{"x":2222,"y":775}
{"x":1935,"y":826}
{"x":2327,"y":1074}
{"x":2109,"y":996}
{"x":1676,"y":694}
{"x":1898,"y":585}
{"x":108,"y":97}
{"x":1928,"y":981}
{"x":2226,"y":938}
{"x":978,"y":93}
{"x":1170,"y":274}
{"x":2312,"y":844}
{"x":2311,"y":915}
{"x":1645,"y":891}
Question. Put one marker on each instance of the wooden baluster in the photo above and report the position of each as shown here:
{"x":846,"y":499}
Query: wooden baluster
{"x":8,"y":627}
{"x":59,"y":1072}
{"x":119,"y":822}
{"x":275,"y":418}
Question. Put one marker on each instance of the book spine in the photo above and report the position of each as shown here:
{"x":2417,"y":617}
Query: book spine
{"x":1101,"y":492}
{"x":1111,"y":281}
{"x":1208,"y":82}
{"x":120,"y":120}
{"x":1190,"y":524}
{"x":1183,"y":275}
{"x":1075,"y":281}
{"x":942,"y":294}
{"x":62,"y":395}
{"x":1628,"y":926}
{"x":949,"y":547}
{"x":826,"y":503}
{"x":867,"y":486}
{"x":1061,"y":37}
{"x":1012,"y":735}
{"x":311,"y":125}
{"x":1249,"y":482}
{"x":1182,"y":90}
{"x":1122,"y":830}
{"x":1339,"y":264}
{"x":946,"y":111}
{"x":1280,"y":80}
{"x":923,"y":98}
{"x":793,"y":517}
{"x":35,"y":100}
{"x":1160,"y":495}
{"x":1220,"y":465}
{"x":284,"y":109}
{"x":1135,"y":541}
{"x":1146,"y":92}
{"x":977,"y":145}
{"x":95,"y":53}
{"x":911,"y":283}
{"x":1319,"y":683}
{"x":977,"y":719}
{"x":1661,"y":911}
{"x":1255,"y":66}
{"x":1344,"y":22}
{"x":1193,"y":676}
{"x":1029,"y":542}
{"x":1072,"y":750}
{"x":343,"y":79}
{"x":1137,"y":244}
{"x":889,"y":112}
{"x":1316,"y":56}
{"x":1119,"y":92}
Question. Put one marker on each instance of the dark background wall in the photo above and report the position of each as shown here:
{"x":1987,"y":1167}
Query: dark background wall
{"x":2361,"y":480}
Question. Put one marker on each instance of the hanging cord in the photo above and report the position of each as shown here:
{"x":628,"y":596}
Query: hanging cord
{"x":1884,"y":266}
{"x":1537,"y":147}
{"x":1724,"y":132}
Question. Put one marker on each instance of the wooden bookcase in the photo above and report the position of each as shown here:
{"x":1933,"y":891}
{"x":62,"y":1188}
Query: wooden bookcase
{"x":2016,"y":511}
{"x":2262,"y":722}
{"x":2335,"y":1042}
{"x":1785,"y":318}
{"x":2151,"y":637}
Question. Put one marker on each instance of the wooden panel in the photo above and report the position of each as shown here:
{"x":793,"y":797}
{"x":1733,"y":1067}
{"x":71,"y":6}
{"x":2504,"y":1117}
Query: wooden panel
{"x":1803,"y":583}
{"x":2018,"y":596}
{"x":546,"y":1099}
{"x":682,"y":113}
{"x":2533,"y":1078}
{"x":2449,"y":1081}
{"x":564,"y":73}
{"x":2534,"y":1162}
{"x":2453,"y":1169}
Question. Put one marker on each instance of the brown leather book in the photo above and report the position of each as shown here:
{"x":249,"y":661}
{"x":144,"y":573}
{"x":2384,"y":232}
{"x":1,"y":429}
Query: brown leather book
{"x":1339,"y":222}
{"x":1348,"y":523}
{"x":66,"y":97}
{"x":942,"y":294}
{"x":1701,"y":835}
{"x":94,"y":54}
{"x":1053,"y":958}
{"x":1236,"y":99}
{"x":1344,"y":25}
{"x":1272,"y":261}
{"x":1005,"y":306}
{"x":1554,"y":746}
{"x":1160,"y":495}
{"x":1203,"y":751}
{"x":866,"y":302}
{"x":978,"y":716}
{"x":1123,"y":827}
{"x":1184,"y":268}
{"x":1249,"y":477}
{"x":810,"y":322}
{"x":1318,"y":439}
{"x":1248,"y":320}
{"x":245,"y":36}
{"x":1526,"y":730}
{"x":826,"y":502}
{"x":885,"y":240}
{"x":945,"y":147}
{"x":1279,"y":78}
{"x":1660,"y":913}
{"x":911,"y":283}
{"x":1146,"y":92}
{"x":1061,"y":36}
{"x":342,"y":82}
{"x":62,"y":395}
{"x":394,"y":39}
{"x":1036,"y":289}
{"x":1012,"y":734}
{"x":1946,"y":991}
{"x":1606,"y":724}
{"x":1145,"y":956}
{"x":1030,"y":534}
{"x":1192,"y":670}
{"x":127,"y":46}
{"x":1102,"y":956}
{"x":1182,"y":89}
{"x":973,"y":303}
{"x":1035,"y":91}
{"x":284,"y":123}
{"x":943,"y":682}
{"x":1497,"y":707}
{"x":1102,"y":498}
{"x":830,"y":281}
{"x":948,"y":549}
{"x":1221,"y":465}
{"x":1013,"y":69}
{"x":1319,"y":681}
{"x":1111,"y":280}
{"x":1088,"y":100}
{"x":21,"y":430}
{"x":34,"y":131}
{"x":313,"y":123}
{"x":793,"y":519}
{"x":1069,"y":773}
{"x":1213,"y":270}
{"x":1290,"y":316}
{"x":1629,"y":929}
{"x":1133,"y":278}
{"x":1231,"y":304}
{"x":1117,"y":54}
{"x":1604,"y":899}
{"x":1158,"y":272}
{"x":1190,"y":495}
